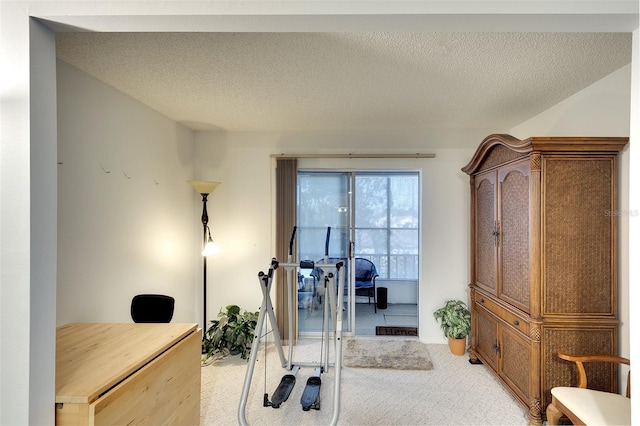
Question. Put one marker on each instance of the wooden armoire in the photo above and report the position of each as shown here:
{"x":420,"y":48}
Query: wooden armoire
{"x":543,"y":261}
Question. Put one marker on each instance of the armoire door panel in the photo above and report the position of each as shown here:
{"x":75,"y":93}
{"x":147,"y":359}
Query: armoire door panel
{"x":579,"y":221}
{"x":513,"y":214}
{"x":487,"y":337}
{"x":515,"y":362}
{"x":486,"y":231}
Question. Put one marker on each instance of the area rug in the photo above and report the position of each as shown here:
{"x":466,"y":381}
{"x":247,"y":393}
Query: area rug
{"x":385,"y":330}
{"x":397,"y":354}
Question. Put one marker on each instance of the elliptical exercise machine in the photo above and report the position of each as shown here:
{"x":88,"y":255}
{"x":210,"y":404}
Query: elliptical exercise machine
{"x":333,"y":307}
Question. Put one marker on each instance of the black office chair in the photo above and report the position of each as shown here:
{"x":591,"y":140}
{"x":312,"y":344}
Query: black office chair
{"x":152,"y":308}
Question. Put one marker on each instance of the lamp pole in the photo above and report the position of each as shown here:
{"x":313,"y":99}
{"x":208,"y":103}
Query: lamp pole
{"x":205,"y":221}
{"x":204,"y":188}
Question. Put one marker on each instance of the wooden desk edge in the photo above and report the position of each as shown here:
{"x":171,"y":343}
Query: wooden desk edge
{"x":74,"y":399}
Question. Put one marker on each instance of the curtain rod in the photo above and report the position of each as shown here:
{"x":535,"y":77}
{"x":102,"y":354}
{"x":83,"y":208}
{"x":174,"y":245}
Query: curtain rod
{"x":351,"y":155}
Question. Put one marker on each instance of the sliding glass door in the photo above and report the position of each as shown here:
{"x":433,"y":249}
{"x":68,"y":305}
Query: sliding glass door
{"x":374,"y":220}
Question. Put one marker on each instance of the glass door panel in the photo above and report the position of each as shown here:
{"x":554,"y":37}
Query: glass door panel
{"x":323,"y":201}
{"x":386,"y":223}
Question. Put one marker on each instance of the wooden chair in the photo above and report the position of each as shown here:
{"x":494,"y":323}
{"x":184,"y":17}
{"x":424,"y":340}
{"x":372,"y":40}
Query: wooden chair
{"x":585,"y":406}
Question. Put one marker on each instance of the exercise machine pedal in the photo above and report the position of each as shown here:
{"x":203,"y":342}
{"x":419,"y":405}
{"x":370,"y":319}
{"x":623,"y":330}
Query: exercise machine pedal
{"x":282,"y":392}
{"x":311,"y":395}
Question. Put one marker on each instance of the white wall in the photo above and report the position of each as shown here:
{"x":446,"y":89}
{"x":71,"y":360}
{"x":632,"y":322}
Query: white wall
{"x":243,"y":222}
{"x":634,"y":204}
{"x":127,"y":218}
{"x":42,"y":214}
{"x":399,"y":291}
{"x":27,"y":201}
{"x":601,"y":109}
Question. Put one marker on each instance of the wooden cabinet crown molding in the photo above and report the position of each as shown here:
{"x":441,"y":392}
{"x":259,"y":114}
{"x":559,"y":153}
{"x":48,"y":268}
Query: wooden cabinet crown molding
{"x":544,"y":144}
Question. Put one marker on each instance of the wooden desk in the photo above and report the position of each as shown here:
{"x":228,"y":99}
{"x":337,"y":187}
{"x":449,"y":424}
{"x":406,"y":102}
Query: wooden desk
{"x":128,"y":374}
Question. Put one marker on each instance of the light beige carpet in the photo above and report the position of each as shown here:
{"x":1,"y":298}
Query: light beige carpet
{"x":398,"y":354}
{"x":454,"y":392}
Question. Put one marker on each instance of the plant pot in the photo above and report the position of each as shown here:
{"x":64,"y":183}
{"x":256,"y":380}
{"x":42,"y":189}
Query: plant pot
{"x":458,"y":346}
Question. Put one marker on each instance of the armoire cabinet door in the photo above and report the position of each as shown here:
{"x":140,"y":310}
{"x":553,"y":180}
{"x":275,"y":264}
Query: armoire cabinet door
{"x":487,"y":337}
{"x":486,"y":233}
{"x":515,"y":361}
{"x":513,"y":219}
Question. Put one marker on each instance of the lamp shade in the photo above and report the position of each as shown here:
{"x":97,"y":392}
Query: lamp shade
{"x":210,"y":248}
{"x":203,"y":186}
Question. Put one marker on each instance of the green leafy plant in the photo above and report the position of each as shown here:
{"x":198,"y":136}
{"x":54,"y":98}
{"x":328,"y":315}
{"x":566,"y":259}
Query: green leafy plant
{"x":231,"y":333}
{"x":455,"y":319}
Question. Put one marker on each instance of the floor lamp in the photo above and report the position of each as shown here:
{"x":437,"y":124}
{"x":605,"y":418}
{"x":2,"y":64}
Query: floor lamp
{"x":205,"y":188}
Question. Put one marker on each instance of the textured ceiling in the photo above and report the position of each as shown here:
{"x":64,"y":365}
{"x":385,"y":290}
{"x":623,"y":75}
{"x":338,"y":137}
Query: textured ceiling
{"x":338,"y":81}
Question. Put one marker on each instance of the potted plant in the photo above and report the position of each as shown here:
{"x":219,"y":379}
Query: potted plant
{"x":455,"y":321}
{"x":230,"y":334}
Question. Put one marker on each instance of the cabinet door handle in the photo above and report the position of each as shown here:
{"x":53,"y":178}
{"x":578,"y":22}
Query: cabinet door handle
{"x":516,"y":322}
{"x":481,"y":300}
{"x":496,"y":233}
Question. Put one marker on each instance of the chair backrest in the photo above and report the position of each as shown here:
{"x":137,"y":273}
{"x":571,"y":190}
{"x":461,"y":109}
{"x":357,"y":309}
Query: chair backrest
{"x":365,"y":270}
{"x":152,"y":308}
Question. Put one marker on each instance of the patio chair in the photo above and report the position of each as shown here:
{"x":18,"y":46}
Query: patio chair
{"x":365,"y":276}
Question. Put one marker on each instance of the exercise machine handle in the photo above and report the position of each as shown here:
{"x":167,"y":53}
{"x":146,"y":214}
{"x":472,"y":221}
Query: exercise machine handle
{"x":326,"y":244}
{"x":293,"y":236}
